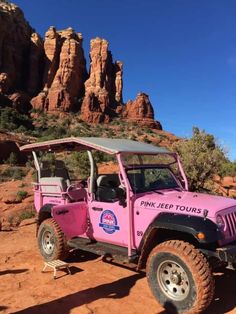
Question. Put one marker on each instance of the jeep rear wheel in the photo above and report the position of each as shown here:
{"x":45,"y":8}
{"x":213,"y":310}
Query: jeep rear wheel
{"x":180,"y":277}
{"x":51,"y":241}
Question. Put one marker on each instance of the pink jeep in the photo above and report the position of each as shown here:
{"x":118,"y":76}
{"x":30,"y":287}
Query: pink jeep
{"x":143,"y":215}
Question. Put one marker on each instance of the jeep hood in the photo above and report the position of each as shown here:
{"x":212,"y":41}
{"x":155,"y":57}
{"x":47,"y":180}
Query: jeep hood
{"x":183,"y":202}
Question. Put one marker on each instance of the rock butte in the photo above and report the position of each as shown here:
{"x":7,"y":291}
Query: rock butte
{"x":50,"y":75}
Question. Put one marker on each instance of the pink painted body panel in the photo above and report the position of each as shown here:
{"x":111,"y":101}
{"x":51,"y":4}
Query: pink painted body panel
{"x":40,"y":200}
{"x":149,"y":205}
{"x":72,"y":218}
{"x":184,"y":202}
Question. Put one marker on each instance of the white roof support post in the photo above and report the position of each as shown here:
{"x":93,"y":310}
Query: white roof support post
{"x":92,"y":173}
{"x":36,"y":164}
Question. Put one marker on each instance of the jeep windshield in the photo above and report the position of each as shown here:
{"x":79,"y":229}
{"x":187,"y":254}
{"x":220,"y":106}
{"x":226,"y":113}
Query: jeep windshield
{"x":145,"y":179}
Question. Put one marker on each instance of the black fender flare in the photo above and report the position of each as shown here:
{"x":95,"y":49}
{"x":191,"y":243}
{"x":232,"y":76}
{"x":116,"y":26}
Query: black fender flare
{"x":188,"y":224}
{"x":185,"y":224}
{"x":44,"y":212}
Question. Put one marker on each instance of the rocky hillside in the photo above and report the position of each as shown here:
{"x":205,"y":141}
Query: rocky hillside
{"x":50,"y":74}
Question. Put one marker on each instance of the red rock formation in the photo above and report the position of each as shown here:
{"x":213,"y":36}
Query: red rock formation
{"x":94,"y":107}
{"x":52,"y":53}
{"x":36,"y":55}
{"x":140,"y":110}
{"x":118,"y":82}
{"x":4,"y":83}
{"x":103,"y":89}
{"x":54,"y":73}
{"x":20,"y":57}
{"x":65,"y":71}
{"x":14,"y":45}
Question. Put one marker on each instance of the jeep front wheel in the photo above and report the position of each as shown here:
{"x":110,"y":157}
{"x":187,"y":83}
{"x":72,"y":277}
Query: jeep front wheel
{"x":180,"y":277}
{"x":51,"y":241}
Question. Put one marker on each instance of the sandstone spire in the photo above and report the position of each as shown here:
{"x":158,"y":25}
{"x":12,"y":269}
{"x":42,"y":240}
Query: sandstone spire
{"x":103,"y":89}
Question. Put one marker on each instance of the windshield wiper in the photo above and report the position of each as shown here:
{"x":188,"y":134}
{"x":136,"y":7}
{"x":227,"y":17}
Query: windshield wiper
{"x":155,"y":191}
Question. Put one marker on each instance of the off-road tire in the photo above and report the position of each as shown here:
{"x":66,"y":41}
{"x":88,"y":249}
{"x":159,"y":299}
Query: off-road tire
{"x":51,"y":241}
{"x":200,"y":288}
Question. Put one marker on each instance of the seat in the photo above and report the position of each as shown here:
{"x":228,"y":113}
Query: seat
{"x":45,"y":169}
{"x":53,"y":185}
{"x":106,"y":187}
{"x":61,"y":171}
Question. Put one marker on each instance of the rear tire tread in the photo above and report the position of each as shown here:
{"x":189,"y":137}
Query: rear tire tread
{"x":61,"y":252}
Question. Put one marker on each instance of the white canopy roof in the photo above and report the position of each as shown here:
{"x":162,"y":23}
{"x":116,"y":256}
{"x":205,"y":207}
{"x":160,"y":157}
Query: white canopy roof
{"x":108,"y":145}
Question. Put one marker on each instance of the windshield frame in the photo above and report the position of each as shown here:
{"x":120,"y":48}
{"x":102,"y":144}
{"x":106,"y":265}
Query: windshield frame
{"x":178,"y":187}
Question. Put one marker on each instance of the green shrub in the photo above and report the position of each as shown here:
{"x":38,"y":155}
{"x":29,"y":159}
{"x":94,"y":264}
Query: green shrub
{"x":202,"y":158}
{"x":15,"y":220}
{"x":149,"y":131}
{"x":78,"y":164}
{"x":12,"y":159}
{"x":228,"y":168}
{"x":12,"y":173}
{"x":50,"y":133}
{"x":27,"y":214}
{"x":12,"y":120}
{"x":21,"y":195}
{"x":102,"y":157}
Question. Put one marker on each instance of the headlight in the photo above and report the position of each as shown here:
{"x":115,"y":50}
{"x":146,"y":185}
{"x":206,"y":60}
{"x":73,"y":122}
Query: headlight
{"x":220,"y":222}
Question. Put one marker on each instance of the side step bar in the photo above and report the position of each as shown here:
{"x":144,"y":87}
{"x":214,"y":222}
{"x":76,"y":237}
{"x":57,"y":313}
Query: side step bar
{"x":115,"y":252}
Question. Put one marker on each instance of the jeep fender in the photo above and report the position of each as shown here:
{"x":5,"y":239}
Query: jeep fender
{"x":44,"y":213}
{"x":188,"y":225}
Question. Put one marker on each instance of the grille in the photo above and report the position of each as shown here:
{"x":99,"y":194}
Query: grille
{"x":230,"y":220}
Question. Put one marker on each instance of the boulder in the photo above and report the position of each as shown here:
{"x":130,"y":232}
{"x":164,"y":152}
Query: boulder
{"x":20,"y":102}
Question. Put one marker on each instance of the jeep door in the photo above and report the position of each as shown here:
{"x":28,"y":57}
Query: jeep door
{"x":109,"y":222}
{"x":72,"y":218}
{"x":108,"y":218}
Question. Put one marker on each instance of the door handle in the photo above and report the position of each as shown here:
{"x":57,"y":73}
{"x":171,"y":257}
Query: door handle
{"x":62,"y":211}
{"x":99,"y":209}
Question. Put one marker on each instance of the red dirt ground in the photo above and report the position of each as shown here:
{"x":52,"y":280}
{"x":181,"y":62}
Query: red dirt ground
{"x":10,"y":210}
{"x":95,"y":286}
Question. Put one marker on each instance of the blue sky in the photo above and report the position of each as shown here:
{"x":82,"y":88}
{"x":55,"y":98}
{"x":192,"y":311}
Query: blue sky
{"x":180,"y":52}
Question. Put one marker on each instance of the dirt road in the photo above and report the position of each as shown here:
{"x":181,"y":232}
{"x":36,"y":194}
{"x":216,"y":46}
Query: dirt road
{"x":94,"y":286}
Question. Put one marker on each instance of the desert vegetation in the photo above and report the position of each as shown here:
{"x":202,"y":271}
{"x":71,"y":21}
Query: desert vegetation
{"x":202,"y":156}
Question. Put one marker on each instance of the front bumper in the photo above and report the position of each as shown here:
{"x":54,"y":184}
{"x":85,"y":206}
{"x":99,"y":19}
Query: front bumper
{"x":224,"y":254}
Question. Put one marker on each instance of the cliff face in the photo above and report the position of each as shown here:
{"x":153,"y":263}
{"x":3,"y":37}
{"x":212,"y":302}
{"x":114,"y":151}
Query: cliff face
{"x":20,"y":52}
{"x":20,"y":57}
{"x":50,"y":75}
